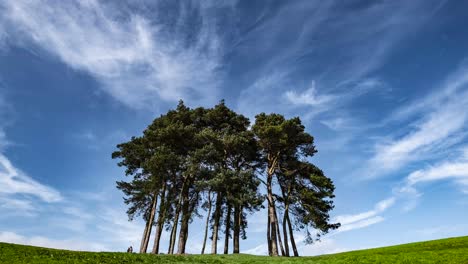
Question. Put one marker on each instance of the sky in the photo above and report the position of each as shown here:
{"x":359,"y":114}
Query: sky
{"x":381,"y":85}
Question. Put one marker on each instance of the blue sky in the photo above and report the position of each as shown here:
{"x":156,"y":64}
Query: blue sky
{"x":382,"y":85}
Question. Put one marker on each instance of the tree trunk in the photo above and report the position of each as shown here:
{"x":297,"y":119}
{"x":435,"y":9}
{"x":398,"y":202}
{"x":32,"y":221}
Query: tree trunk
{"x":143,"y":239}
{"x":228,"y":229}
{"x":217,"y":216}
{"x":184,"y":223}
{"x":183,"y":235}
{"x":271,"y":213}
{"x":173,"y":233}
{"x":286,"y":212}
{"x":153,"y":213}
{"x":176,"y":222}
{"x":291,"y":234}
{"x":160,"y":222}
{"x":150,"y":222}
{"x":268,"y":234}
{"x":193,"y":205}
{"x":285,"y":232}
{"x":237,"y":224}
{"x":207,"y":223}
{"x":278,"y":233}
{"x":171,"y":237}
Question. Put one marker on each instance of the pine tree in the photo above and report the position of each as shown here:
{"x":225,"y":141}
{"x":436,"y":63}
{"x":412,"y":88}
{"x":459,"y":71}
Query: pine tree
{"x":192,"y":159}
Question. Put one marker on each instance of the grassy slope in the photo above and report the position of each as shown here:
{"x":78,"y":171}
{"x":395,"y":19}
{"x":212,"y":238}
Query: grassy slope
{"x":451,"y":250}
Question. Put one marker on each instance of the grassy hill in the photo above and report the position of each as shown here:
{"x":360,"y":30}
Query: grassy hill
{"x":451,"y":250}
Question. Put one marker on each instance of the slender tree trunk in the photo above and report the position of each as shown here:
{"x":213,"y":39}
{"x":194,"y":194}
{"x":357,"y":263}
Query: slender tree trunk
{"x":207,"y":223}
{"x":237,"y":224}
{"x":176,"y":220}
{"x":150,"y":222}
{"x":271,"y":213}
{"x":217,"y":216}
{"x":143,"y":239}
{"x":159,"y":230}
{"x":291,"y":234}
{"x":268,"y":234}
{"x":285,"y":232}
{"x":272,"y":234}
{"x":183,"y":235}
{"x":174,"y":233}
{"x":278,"y":233}
{"x":228,"y":229}
{"x":171,"y":238}
{"x":160,"y":221}
{"x":193,"y":204}
{"x":286,"y":212}
{"x":184,"y":223}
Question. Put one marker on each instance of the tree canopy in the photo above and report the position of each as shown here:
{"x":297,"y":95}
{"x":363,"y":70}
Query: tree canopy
{"x":210,"y":159}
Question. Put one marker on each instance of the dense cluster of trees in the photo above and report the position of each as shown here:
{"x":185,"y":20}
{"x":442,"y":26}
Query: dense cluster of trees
{"x":193,"y":160}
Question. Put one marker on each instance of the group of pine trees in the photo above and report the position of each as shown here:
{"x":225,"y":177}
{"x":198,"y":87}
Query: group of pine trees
{"x":190,"y":161}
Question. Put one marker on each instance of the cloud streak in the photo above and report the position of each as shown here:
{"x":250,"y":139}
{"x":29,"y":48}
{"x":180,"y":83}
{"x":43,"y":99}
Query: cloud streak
{"x":135,"y":59}
{"x":13,"y":181}
{"x":455,"y":170}
{"x":336,"y":49}
{"x":361,"y":220}
{"x":433,"y":133}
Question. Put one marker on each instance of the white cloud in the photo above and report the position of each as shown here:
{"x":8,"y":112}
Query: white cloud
{"x":137,"y":60}
{"x":353,"y":45}
{"x":455,"y":170}
{"x":447,"y":170}
{"x":13,"y":181}
{"x":338,"y":123}
{"x":71,"y":244}
{"x":442,"y":125}
{"x":453,"y":85}
{"x":77,"y":212}
{"x":438,"y":126}
{"x":18,"y":192}
{"x":361,"y":220}
{"x":259,"y":96}
{"x":361,"y":224}
{"x":309,"y":97}
{"x":116,"y":224}
{"x":16,"y":204}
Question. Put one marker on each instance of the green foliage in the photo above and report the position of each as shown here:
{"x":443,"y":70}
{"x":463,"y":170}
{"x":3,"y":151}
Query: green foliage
{"x":446,"y":251}
{"x":186,"y":154}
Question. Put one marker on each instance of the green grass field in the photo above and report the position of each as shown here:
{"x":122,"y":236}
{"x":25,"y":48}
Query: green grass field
{"x":451,"y":250}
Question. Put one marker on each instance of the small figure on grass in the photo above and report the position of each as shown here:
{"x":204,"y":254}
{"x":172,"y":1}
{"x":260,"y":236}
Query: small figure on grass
{"x":130,"y":249}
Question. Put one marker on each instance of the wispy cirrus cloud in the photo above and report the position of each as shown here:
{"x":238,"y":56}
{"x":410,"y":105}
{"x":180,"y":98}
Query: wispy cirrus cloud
{"x":136,"y":57}
{"x":454,"y":85}
{"x":361,"y":220}
{"x":318,"y":102}
{"x":10,"y":203}
{"x":455,"y":170}
{"x":338,"y":50}
{"x":435,"y":129}
{"x":13,"y":181}
{"x":17,"y":186}
{"x":311,"y":98}
{"x":349,"y":222}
